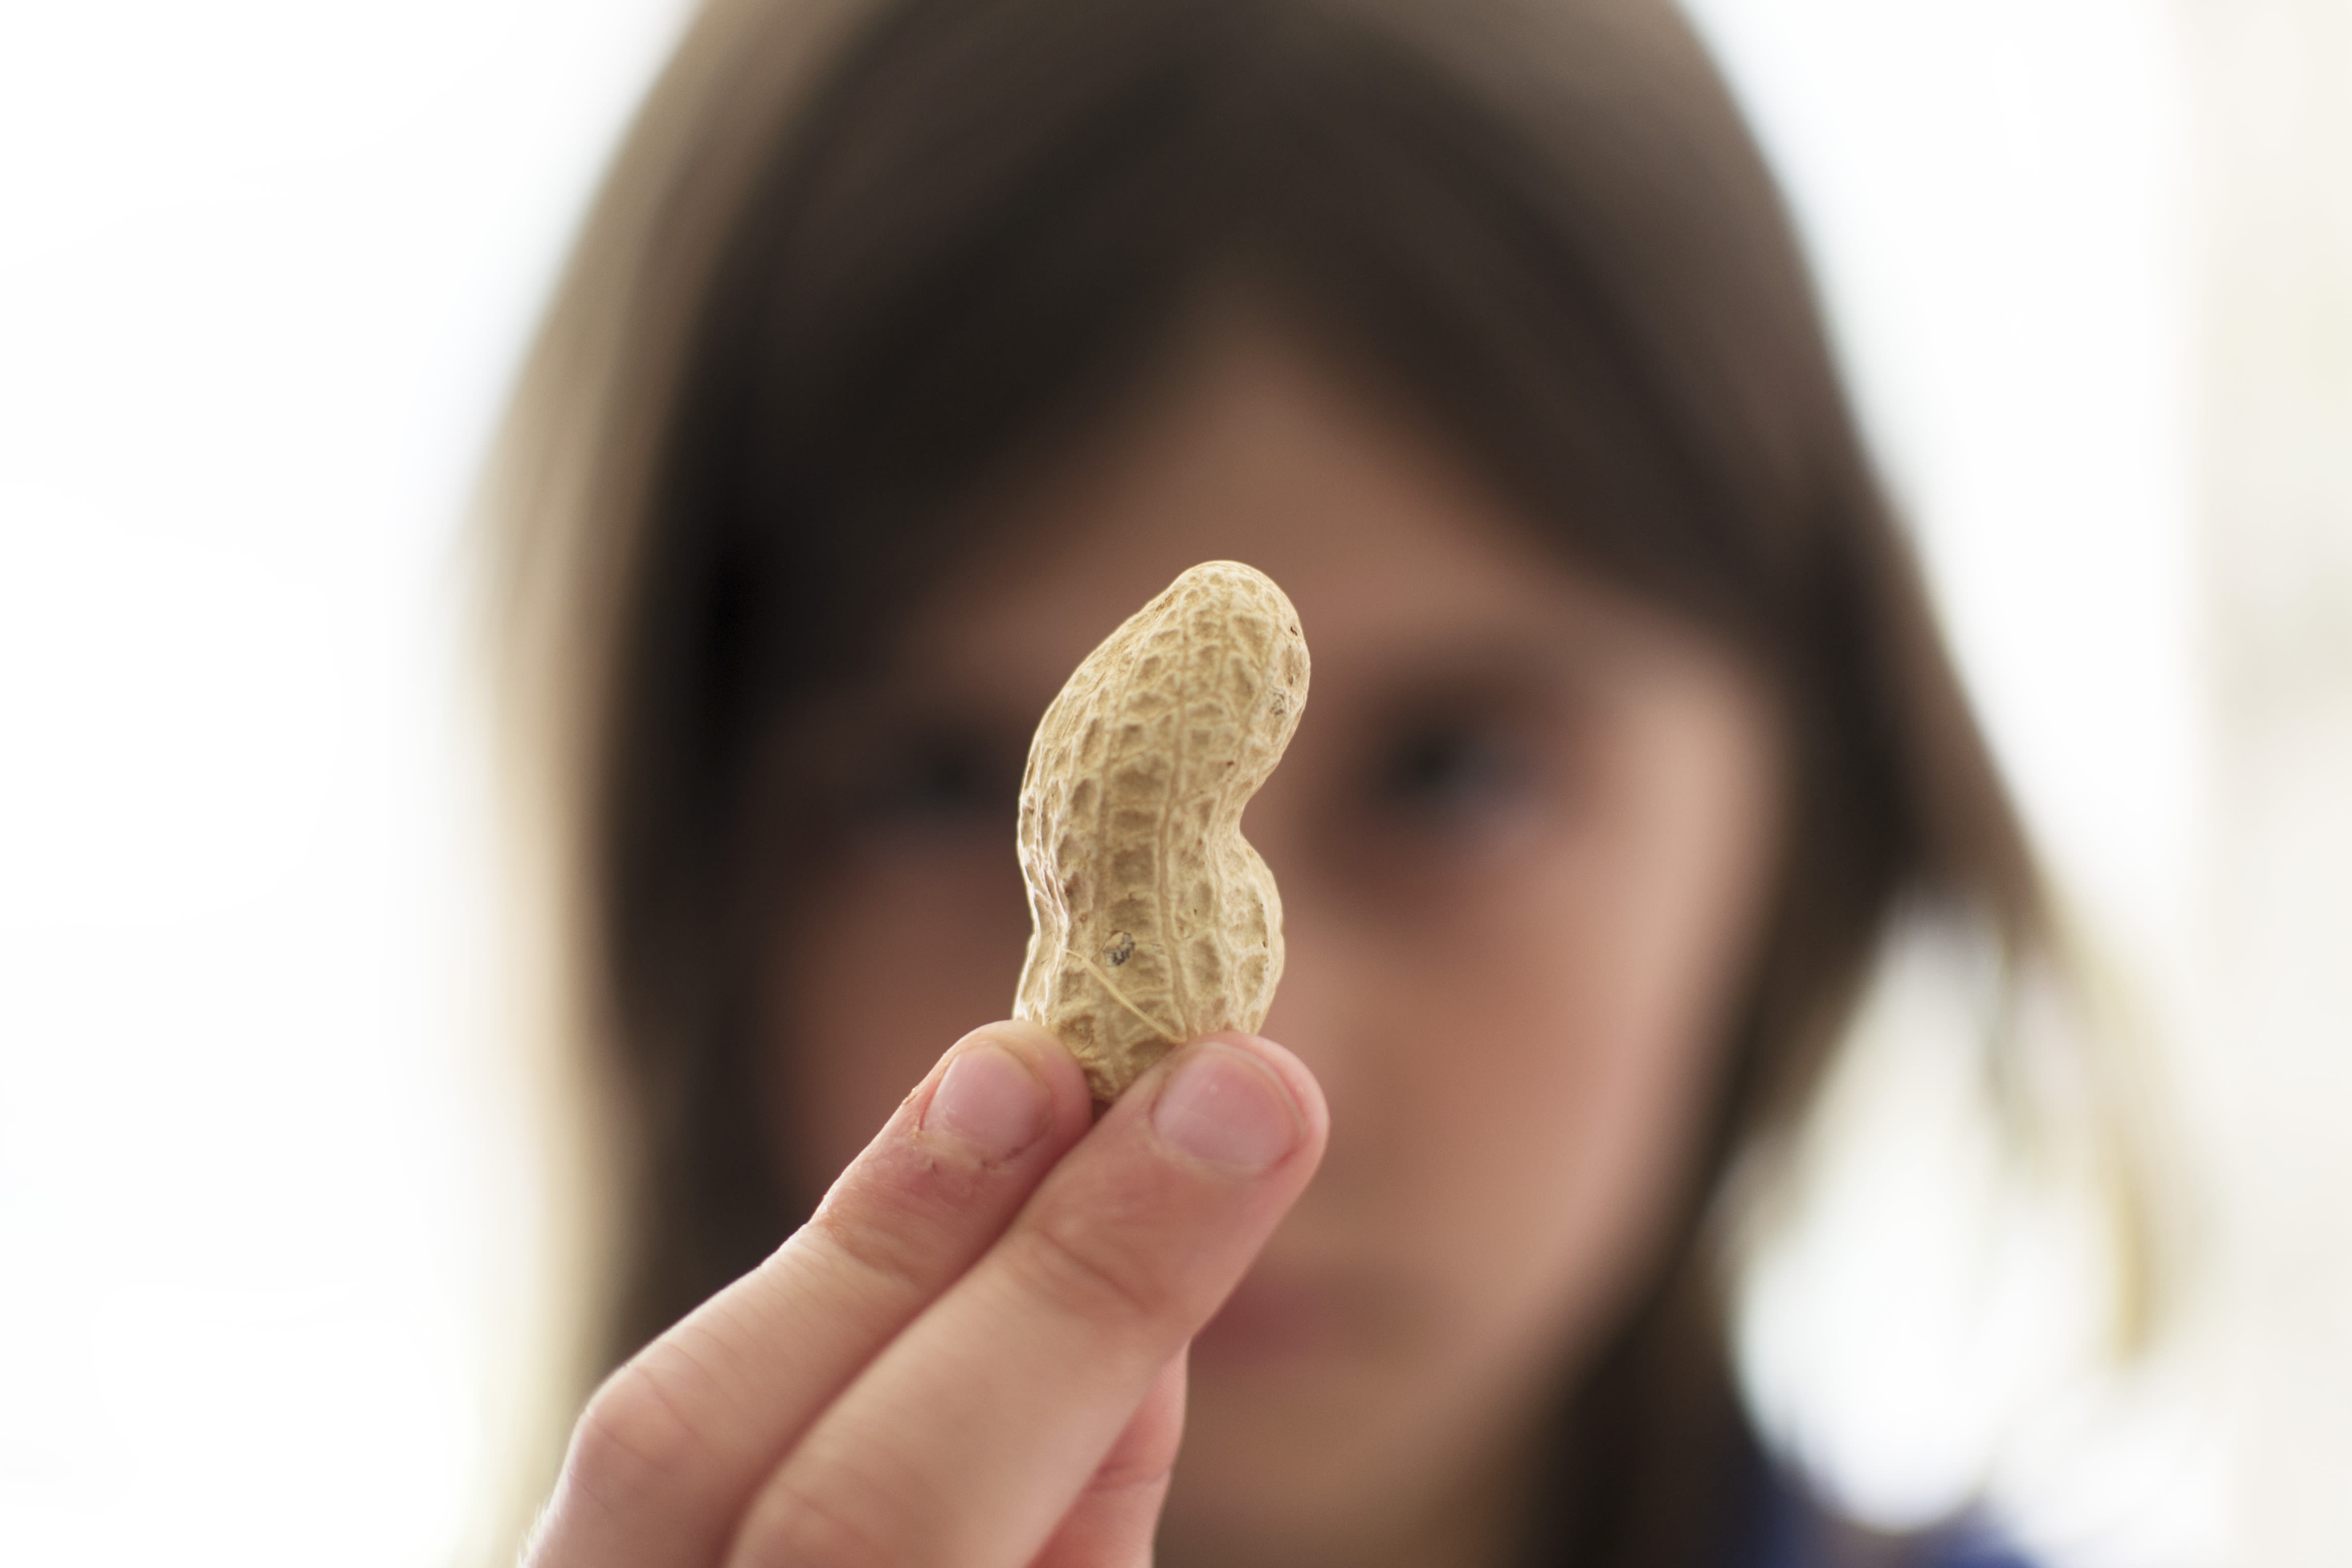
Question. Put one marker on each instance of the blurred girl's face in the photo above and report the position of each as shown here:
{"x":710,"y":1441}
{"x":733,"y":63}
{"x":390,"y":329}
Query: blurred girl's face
{"x":1524,"y":839}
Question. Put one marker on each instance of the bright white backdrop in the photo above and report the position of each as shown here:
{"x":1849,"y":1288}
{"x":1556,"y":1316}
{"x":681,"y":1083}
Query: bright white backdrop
{"x":268,"y":266}
{"x":265,"y":268}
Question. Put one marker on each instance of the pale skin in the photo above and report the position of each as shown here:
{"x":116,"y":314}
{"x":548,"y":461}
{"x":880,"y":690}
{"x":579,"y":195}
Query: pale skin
{"x":1524,"y":837}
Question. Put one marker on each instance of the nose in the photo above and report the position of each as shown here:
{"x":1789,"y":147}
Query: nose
{"x":1327,"y":1009}
{"x":1310,"y":1004}
{"x":1327,"y":1013}
{"x":1310,"y":1008}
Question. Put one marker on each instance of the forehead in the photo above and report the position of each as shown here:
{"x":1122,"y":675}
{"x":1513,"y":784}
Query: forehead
{"x":1254,"y":448}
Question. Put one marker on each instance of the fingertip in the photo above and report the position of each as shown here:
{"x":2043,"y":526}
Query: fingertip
{"x":1037,"y":1049}
{"x":1304,"y":1091}
{"x":1232,"y":1101}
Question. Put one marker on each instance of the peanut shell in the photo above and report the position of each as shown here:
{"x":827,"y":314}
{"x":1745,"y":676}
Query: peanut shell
{"x":1152,"y":919}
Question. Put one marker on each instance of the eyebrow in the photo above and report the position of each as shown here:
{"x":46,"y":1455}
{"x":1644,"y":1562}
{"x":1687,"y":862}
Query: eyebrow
{"x":1536,"y":659}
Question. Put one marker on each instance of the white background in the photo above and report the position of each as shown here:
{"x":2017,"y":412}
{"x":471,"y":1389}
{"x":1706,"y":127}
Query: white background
{"x":264,"y":270}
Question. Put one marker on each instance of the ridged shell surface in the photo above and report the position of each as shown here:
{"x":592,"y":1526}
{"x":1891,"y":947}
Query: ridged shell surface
{"x":1153,"y":921}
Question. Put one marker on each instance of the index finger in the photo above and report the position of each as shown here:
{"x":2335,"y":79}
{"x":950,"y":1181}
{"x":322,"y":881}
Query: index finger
{"x":675,"y":1443}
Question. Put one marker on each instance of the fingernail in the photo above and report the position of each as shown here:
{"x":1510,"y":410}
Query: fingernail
{"x":990,"y":1101}
{"x":1223,"y":1107}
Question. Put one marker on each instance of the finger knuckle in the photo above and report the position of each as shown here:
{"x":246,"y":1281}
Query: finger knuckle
{"x":898,"y":1261}
{"x":1140,"y":1476}
{"x":898,"y":1208}
{"x":634,"y":1443}
{"x":1091,"y":1270}
{"x":831,"y":1523}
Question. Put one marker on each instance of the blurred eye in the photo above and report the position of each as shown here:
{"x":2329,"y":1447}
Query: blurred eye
{"x":940,"y":778}
{"x":1455,"y":775}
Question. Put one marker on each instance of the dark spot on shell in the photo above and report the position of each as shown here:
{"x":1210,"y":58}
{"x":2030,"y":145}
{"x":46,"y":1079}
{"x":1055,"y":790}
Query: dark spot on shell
{"x":1121,"y":949}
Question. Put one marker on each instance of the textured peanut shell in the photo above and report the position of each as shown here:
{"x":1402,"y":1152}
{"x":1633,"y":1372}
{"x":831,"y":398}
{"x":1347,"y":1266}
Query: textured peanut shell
{"x":1152,"y":919}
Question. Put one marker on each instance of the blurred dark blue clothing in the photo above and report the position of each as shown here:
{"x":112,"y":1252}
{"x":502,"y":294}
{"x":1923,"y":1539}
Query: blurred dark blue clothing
{"x":1788,"y":1529}
{"x":1767,"y":1516}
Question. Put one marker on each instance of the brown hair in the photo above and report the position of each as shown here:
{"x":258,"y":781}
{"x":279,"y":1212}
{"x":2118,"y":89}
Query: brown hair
{"x":854,"y":257}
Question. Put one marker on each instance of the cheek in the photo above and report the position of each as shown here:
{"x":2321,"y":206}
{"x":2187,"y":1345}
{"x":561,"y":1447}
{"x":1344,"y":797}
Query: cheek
{"x":896,"y":954}
{"x":1595,"y":1027}
{"x":1538,"y":1098}
{"x":1519,"y":1068}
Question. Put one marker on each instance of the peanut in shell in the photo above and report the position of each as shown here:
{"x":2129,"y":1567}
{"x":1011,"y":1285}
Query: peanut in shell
{"x":1152,"y":919}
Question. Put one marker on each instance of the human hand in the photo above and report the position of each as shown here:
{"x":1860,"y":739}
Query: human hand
{"x":974,"y":1354}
